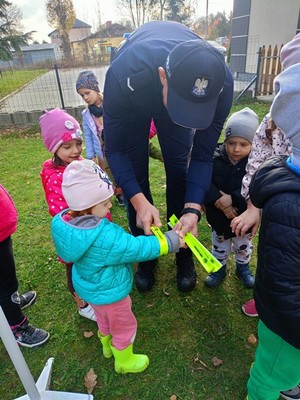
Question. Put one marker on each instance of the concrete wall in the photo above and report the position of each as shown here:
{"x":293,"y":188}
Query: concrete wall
{"x":32,"y":117}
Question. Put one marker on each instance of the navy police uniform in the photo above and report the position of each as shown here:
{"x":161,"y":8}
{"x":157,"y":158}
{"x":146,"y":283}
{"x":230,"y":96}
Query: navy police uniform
{"x":132,"y":95}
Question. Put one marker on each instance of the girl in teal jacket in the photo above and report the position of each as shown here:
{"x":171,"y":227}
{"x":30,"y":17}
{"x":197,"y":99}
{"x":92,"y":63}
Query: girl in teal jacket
{"x":103,"y":254}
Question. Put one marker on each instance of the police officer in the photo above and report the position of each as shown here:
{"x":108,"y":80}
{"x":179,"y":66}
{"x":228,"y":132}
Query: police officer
{"x":166,"y":72}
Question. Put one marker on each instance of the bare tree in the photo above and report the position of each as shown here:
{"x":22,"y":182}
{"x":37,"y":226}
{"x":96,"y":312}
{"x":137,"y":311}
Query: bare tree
{"x":61,"y":15}
{"x":137,"y":11}
{"x":13,"y":17}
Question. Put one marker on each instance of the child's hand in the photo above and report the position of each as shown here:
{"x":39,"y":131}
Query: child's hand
{"x":223,"y":202}
{"x":181,"y":242}
{"x":230,"y":212}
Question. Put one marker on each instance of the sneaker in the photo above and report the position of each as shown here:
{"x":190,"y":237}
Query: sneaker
{"x":186,"y":274}
{"x":27,"y":299}
{"x":28,"y":335}
{"x":87,"y":312}
{"x":293,"y":394}
{"x":215,"y":278}
{"x":120,"y":200}
{"x":250,"y":309}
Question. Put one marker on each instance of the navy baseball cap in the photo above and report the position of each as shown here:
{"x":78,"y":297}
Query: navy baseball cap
{"x":196,"y":74}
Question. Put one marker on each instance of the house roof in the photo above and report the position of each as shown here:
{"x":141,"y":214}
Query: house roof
{"x":38,"y":47}
{"x":113,"y":30}
{"x":78,"y":24}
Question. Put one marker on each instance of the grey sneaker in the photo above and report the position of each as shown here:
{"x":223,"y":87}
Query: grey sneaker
{"x":27,"y":299}
{"x":28,"y":335}
{"x":293,"y":394}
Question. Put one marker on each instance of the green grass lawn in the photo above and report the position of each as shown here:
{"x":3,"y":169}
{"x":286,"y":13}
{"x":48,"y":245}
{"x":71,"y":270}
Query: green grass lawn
{"x":181,"y":333}
{"x":13,"y":80}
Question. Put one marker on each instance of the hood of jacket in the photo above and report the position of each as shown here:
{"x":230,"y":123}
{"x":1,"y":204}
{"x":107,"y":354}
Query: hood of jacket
{"x":72,"y":244}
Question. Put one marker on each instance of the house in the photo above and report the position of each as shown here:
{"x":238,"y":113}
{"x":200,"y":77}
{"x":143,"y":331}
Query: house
{"x":257,"y":23}
{"x":98,"y":46}
{"x":79,"y":31}
{"x":37,"y":54}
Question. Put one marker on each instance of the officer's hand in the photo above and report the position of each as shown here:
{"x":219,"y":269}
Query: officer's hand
{"x":188,"y":223}
{"x":146,"y":213}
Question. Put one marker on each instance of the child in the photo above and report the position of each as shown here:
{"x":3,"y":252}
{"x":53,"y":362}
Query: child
{"x":103,"y":255}
{"x":62,"y":137}
{"x":224,"y":200}
{"x":275,"y":188}
{"x":92,"y":122}
{"x":11,"y":302}
{"x":269,"y":140}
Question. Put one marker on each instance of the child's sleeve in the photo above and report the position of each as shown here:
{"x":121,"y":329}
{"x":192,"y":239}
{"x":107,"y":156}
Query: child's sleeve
{"x":53,"y":192}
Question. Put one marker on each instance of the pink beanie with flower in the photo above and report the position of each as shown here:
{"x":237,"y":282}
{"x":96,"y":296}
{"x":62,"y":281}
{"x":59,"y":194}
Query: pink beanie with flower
{"x":290,"y":52}
{"x":85,"y":184}
{"x":58,"y":127}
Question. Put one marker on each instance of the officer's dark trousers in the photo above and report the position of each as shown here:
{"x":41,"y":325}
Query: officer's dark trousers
{"x":9,"y":283}
{"x":175,"y":143}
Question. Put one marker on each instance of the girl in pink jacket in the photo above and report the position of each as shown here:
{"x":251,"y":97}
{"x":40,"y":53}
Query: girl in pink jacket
{"x":63,"y":138}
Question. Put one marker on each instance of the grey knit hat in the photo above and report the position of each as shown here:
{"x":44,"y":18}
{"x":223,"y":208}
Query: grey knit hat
{"x":87,"y":80}
{"x":285,"y":108}
{"x":243,"y":124}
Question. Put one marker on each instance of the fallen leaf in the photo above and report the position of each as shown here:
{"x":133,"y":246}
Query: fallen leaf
{"x":196,"y":361}
{"x":173,"y":397}
{"x":165,"y":292}
{"x":216,"y":361}
{"x":252,"y":339}
{"x":90,"y":381}
{"x":88,"y":334}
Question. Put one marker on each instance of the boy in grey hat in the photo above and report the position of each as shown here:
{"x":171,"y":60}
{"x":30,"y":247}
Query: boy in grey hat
{"x":224,"y":200}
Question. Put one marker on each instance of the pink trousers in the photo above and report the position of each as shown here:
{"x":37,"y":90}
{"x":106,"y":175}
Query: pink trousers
{"x":118,"y":320}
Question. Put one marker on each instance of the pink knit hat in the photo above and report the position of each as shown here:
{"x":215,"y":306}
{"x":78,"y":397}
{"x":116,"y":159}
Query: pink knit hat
{"x":290,"y":53}
{"x":85,"y":184}
{"x":58,"y":127}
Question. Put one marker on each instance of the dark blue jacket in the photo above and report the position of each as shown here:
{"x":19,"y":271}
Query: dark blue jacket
{"x":276,"y":189}
{"x":136,"y":66}
{"x":228,"y":178}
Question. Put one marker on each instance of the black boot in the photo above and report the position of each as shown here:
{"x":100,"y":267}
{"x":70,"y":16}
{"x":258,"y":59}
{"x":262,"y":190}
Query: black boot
{"x":144,"y":277}
{"x":186,"y":274}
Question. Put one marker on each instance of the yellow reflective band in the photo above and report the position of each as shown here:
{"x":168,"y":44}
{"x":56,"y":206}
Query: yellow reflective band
{"x":164,"y":247}
{"x":207,"y":260}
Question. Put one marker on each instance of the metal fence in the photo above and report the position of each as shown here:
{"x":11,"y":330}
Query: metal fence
{"x":55,"y":88}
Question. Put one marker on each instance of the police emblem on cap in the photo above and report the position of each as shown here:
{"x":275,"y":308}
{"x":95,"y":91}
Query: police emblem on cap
{"x":200,"y":87}
{"x":69,"y":124}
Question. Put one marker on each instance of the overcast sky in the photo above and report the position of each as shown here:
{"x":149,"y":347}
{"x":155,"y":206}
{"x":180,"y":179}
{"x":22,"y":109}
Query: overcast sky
{"x":34,"y":15}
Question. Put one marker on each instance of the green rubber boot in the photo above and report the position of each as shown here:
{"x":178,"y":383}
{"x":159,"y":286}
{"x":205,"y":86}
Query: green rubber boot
{"x":126,"y":361}
{"x":105,"y":344}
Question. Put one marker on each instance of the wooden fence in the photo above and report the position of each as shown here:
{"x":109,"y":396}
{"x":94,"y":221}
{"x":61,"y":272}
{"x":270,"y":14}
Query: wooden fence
{"x":268,"y":68}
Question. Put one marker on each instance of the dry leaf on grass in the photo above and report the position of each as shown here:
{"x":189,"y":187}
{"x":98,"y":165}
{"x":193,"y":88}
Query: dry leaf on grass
{"x":252,"y":339}
{"x":90,"y":381}
{"x":216,"y":361}
{"x":88,"y":334}
{"x":197,"y":361}
{"x":173,"y":397}
{"x":165,"y":292}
